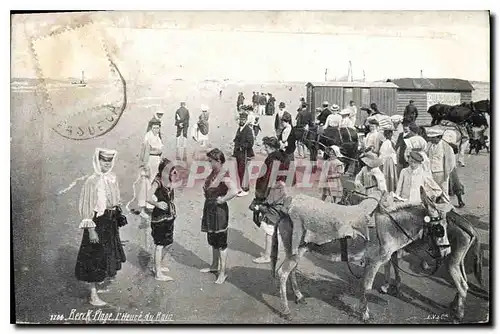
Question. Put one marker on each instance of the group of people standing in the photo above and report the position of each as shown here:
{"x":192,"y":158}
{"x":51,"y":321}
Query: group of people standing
{"x":262,"y":104}
{"x":396,"y":158}
{"x":405,"y":160}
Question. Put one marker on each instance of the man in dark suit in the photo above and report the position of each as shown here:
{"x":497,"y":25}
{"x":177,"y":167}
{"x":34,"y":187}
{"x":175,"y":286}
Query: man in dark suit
{"x":410,"y":113}
{"x":182,"y":124}
{"x":243,"y":151}
{"x":324,"y":114}
{"x":255,"y":102}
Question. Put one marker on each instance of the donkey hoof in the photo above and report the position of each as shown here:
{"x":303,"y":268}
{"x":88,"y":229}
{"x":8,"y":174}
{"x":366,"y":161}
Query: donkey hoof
{"x":365,"y":316}
{"x":301,"y":300}
{"x":286,"y":316}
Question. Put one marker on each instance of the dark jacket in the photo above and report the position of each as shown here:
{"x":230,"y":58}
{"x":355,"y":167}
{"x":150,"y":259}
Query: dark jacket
{"x":262,"y":185}
{"x":270,"y":106}
{"x":277,"y":120}
{"x":243,"y":141}
{"x":241,"y":100}
{"x":255,"y":99}
{"x":401,"y":145}
{"x":182,"y":116}
{"x":262,"y":100}
{"x":291,"y":145}
{"x":324,"y":115}
{"x":304,"y":118}
{"x":410,"y":113}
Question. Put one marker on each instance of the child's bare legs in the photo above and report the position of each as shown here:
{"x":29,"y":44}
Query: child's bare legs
{"x":223,"y":260}
{"x":266,"y":256}
{"x":158,"y":268}
{"x":215,"y":263}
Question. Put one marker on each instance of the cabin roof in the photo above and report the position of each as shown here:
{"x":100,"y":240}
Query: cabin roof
{"x":447,"y":84}
{"x":353,"y":84}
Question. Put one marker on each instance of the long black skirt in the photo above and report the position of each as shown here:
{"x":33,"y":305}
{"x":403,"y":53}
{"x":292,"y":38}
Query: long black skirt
{"x":95,"y":262}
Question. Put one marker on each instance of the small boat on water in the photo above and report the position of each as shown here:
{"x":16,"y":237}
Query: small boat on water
{"x":81,"y":83}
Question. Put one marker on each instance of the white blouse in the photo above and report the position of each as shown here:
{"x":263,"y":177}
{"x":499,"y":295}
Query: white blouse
{"x":387,"y":151}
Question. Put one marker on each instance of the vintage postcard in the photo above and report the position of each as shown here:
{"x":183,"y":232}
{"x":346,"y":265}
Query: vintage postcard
{"x":251,"y":167}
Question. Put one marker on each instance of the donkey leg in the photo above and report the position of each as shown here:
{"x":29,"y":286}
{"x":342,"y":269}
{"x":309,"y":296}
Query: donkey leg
{"x":371,"y":269}
{"x":461,"y":285}
{"x":299,"y":297}
{"x":385,"y":287}
{"x":397,"y":275}
{"x":284,"y":270}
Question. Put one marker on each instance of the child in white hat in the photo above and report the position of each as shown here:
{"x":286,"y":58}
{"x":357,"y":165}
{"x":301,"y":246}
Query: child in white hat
{"x":330,"y":175}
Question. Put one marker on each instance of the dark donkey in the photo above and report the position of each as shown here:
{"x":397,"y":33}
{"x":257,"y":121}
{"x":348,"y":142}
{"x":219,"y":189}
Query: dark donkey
{"x":459,"y":113}
{"x":345,"y":138}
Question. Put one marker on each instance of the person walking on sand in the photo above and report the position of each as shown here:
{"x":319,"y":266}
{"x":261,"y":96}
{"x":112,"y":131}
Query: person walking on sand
{"x":161,"y":196}
{"x":262,"y":104}
{"x":101,"y":252}
{"x":218,"y":190}
{"x":182,"y":124}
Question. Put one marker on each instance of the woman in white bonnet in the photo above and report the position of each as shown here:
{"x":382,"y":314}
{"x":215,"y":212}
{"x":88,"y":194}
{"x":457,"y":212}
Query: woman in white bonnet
{"x":150,"y":157}
{"x":101,"y":252}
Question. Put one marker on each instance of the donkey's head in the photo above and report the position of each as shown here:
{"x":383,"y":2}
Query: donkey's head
{"x":435,"y":223}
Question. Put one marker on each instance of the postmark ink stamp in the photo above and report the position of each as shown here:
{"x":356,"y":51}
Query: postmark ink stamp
{"x":84,"y":92}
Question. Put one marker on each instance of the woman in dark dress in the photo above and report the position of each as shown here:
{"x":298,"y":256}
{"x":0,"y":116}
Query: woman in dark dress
{"x":163,"y":215}
{"x":101,"y":252}
{"x":218,"y":189}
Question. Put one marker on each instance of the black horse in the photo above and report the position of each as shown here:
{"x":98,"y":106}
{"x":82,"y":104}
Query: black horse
{"x":345,"y":138}
{"x":459,"y":113}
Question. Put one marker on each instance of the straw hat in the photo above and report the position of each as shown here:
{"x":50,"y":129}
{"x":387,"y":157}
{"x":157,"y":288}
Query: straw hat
{"x":396,"y":118}
{"x":325,"y":103}
{"x":433,"y":132}
{"x":345,"y":112}
{"x":204,"y":107}
{"x":335,"y":108}
{"x":371,"y":160}
{"x":416,"y":156}
{"x":335,"y":150}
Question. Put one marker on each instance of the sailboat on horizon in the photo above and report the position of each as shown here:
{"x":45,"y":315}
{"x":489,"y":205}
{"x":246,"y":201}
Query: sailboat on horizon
{"x":81,"y":83}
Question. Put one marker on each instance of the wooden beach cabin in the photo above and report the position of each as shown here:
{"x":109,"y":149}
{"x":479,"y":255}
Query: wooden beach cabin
{"x":362,"y":93}
{"x":427,"y":92}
